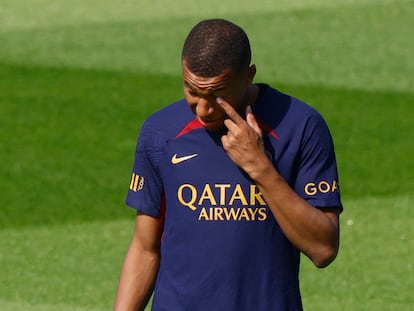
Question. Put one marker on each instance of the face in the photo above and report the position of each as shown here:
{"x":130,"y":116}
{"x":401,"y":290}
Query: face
{"x":201,"y":94}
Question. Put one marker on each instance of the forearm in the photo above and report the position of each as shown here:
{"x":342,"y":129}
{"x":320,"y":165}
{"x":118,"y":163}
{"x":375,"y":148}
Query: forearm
{"x":312,"y":231}
{"x":137,"y":279}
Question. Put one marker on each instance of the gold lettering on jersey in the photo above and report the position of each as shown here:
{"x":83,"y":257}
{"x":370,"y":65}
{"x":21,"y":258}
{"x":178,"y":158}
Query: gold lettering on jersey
{"x":244,"y":215}
{"x":321,"y":187}
{"x":256,"y":196}
{"x":193,"y":196}
{"x":238,"y":195}
{"x":224,"y":202}
{"x":207,"y":194}
{"x":188,"y":195}
{"x":222,"y":193}
{"x":137,"y":182}
{"x":235,"y":214}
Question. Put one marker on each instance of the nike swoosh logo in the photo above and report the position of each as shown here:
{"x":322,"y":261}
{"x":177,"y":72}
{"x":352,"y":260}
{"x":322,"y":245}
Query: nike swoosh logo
{"x":175,"y":159}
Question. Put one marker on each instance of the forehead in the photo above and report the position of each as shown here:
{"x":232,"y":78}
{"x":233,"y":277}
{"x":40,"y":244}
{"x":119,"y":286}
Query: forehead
{"x":222,"y":81}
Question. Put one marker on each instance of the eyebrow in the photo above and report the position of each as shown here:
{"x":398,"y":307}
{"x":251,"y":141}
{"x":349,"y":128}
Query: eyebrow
{"x":195,"y":88}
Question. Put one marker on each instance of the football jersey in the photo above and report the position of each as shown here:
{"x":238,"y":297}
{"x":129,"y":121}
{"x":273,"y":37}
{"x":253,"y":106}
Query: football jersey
{"x":222,"y":248}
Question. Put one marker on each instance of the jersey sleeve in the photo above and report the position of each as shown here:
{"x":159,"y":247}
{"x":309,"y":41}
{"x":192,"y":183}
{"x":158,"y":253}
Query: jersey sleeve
{"x":145,"y":188}
{"x":317,"y":179}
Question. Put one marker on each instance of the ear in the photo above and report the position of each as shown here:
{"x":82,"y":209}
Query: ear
{"x":251,"y":73}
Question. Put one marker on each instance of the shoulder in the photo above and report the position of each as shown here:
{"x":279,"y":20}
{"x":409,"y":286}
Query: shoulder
{"x":281,"y":110}
{"x":287,"y":102}
{"x":168,"y":120}
{"x":169,"y":117}
{"x":164,"y":124}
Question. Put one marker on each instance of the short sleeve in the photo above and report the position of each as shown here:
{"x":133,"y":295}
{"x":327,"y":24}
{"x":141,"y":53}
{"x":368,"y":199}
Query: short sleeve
{"x":317,"y":179}
{"x":145,"y":188}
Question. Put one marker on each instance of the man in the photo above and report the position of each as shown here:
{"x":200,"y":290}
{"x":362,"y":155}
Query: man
{"x":230,"y":184}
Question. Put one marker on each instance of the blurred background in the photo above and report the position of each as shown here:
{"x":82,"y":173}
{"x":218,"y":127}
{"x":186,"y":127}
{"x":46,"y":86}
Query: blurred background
{"x":78,"y":78}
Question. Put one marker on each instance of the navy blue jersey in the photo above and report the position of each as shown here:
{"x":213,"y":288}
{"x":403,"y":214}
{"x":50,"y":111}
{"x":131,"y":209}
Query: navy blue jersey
{"x":222,"y":248}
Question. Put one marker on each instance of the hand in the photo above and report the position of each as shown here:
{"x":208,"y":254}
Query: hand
{"x":244,"y":140}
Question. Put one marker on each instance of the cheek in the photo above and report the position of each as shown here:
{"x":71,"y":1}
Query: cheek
{"x":193,"y":107}
{"x":237,"y":102}
{"x":191,"y":101}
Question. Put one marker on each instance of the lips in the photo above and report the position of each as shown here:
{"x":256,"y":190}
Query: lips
{"x":211,"y":124}
{"x":208,"y":122}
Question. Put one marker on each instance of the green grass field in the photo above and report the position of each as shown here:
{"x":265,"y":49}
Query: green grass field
{"x":77,"y":79}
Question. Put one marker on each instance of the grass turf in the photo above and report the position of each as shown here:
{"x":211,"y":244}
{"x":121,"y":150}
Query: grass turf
{"x":75,"y":267}
{"x":77,"y":85}
{"x":69,"y":134}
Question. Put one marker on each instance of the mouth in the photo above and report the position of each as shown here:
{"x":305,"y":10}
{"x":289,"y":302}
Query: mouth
{"x":212,"y":125}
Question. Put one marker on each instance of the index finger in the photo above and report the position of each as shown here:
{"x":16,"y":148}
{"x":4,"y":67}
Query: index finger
{"x":229,"y":110}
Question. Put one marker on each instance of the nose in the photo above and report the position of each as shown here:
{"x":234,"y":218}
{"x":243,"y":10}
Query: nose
{"x":204,"y":107}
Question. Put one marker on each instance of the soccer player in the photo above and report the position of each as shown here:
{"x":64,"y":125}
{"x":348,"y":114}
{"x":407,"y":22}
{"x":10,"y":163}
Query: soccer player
{"x":230,"y":185}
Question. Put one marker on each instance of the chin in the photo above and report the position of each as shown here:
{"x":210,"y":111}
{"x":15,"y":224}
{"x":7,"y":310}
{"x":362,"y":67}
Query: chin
{"x":215,"y":131}
{"x":217,"y":128}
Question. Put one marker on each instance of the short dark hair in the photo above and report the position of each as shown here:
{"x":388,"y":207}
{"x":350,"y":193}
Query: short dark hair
{"x":214,"y":45}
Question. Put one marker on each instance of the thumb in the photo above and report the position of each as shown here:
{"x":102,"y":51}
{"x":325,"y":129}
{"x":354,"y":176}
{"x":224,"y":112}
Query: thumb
{"x":251,"y":120}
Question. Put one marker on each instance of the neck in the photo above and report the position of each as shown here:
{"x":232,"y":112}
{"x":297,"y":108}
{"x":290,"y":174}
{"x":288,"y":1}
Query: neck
{"x":253,"y":93}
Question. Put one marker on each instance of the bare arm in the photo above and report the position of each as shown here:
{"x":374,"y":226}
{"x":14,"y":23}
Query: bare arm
{"x":140,"y":266}
{"x":314,"y":232}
